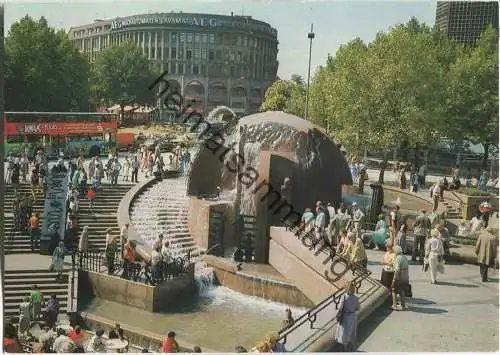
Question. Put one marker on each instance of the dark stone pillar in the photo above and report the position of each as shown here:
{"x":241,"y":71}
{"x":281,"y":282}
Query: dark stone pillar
{"x":376,"y":203}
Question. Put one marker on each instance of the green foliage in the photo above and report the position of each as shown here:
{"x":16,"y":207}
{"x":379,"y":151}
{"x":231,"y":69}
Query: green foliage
{"x":410,"y":84}
{"x":286,"y":95}
{"x":43,"y":70}
{"x":472,"y":191}
{"x":121,"y":75}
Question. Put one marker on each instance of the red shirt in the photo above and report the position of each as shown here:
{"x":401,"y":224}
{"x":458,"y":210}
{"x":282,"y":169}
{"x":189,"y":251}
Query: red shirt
{"x":76,"y":337}
{"x":169,"y":345}
{"x":91,"y":194}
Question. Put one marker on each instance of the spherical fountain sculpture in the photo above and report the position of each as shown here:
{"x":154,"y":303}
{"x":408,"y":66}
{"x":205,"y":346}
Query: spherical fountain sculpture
{"x":246,"y":165}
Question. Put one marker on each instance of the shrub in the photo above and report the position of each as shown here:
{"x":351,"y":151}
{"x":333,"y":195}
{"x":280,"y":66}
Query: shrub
{"x":472,"y":191}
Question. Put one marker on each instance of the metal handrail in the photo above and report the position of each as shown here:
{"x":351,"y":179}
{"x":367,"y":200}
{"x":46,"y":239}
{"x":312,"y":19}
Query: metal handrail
{"x":360,"y":274}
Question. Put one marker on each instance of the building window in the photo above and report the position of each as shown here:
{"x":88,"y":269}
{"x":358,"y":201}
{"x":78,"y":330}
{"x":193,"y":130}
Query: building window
{"x":196,"y":38}
{"x":196,"y":54}
{"x":173,"y":53}
{"x":188,"y":54}
{"x":218,"y":55}
{"x":180,"y":54}
{"x":181,"y":68}
{"x":211,"y":55}
{"x":204,"y":54}
{"x":174,"y":37}
{"x":196,"y":70}
{"x":182,"y":37}
{"x":204,"y":38}
{"x":153,"y":52}
{"x":189,"y":37}
{"x":212,"y":38}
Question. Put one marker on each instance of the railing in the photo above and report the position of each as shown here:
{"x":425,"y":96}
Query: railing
{"x":360,"y":274}
{"x":138,"y":271}
{"x":461,"y":203}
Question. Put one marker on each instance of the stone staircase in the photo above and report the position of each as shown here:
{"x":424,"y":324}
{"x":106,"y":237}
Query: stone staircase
{"x":163,"y":208}
{"x":18,"y":283}
{"x":18,"y":242}
{"x":103,"y":214}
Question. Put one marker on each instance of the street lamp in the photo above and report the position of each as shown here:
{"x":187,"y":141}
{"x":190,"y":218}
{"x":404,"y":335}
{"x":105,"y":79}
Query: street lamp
{"x":310,"y":35}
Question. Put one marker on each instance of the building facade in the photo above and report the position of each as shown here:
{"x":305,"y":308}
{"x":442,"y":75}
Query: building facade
{"x":213,"y":59}
{"x":464,"y":21}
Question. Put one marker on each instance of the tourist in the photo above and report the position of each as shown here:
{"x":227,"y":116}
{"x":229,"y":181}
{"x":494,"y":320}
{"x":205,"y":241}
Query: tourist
{"x":401,"y":280}
{"x":358,"y":218}
{"x":422,"y":171}
{"x":108,"y":169}
{"x":35,"y":187}
{"x":330,"y":228}
{"x":135,"y":170}
{"x":123,"y":236}
{"x":36,"y":302}
{"x":25,"y":165}
{"x":401,"y":233}
{"x":288,"y":321}
{"x":115,"y":171}
{"x":346,"y":331}
{"x":414,"y":181}
{"x":379,"y":237}
{"x":46,"y":338}
{"x":261,"y":347}
{"x":58,"y":260}
{"x":159,"y":241}
{"x":156,"y":264}
{"x":355,"y":251}
{"x":128,"y":260}
{"x":435,"y":194}
{"x":486,"y":251}
{"x":111,"y":249}
{"x":73,"y":203}
{"x":63,"y":344}
{"x":91,"y":196}
{"x":78,"y":337}
{"x":402,"y":178}
{"x":116,"y":332}
{"x":307,"y":221}
{"x":476,"y":222}
{"x":72,"y":229}
{"x":96,"y":343}
{"x":274,"y":345}
{"x":240,"y":349}
{"x":434,"y":254}
{"x":16,"y":211}
{"x":14,"y":177}
{"x":34,"y":228}
{"x":10,"y":167}
{"x":166,"y":254}
{"x":52,"y":311}
{"x":483,"y":179}
{"x":83,"y":243}
{"x":421,"y":229}
{"x":197,"y":349}
{"x":170,"y":345}
{"x":463,"y":229}
{"x":23,"y":214}
{"x":319,"y":224}
{"x":343,"y":242}
{"x":485,"y":210}
{"x":25,"y":312}
{"x":92,"y":166}
{"x":388,"y":265}
{"x":10,"y":340}
{"x":126,"y":168}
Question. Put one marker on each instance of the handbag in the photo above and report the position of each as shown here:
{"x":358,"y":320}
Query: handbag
{"x":340,"y":313}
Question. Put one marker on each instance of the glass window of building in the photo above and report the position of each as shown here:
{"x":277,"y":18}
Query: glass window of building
{"x":196,"y":70}
{"x":173,"y":53}
{"x":182,"y":37}
{"x":146,"y":37}
{"x":203,"y":54}
{"x":197,"y":38}
{"x":204,"y":38}
{"x":189,"y":54}
{"x":211,"y":55}
{"x":197,"y":54}
{"x":174,"y":37}
{"x":203,"y":70}
{"x":234,"y":40}
{"x":211,"y":38}
{"x":189,"y":37}
{"x":180,"y":54}
{"x":153,"y":52}
{"x":181,"y":68}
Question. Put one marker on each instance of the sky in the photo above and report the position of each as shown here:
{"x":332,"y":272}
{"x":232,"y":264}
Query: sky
{"x":335,"y":22}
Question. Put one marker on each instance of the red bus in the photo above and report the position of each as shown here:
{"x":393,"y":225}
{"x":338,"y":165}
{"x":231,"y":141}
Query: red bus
{"x":60,"y":133}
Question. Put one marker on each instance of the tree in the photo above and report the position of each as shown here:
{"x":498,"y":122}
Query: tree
{"x":286,"y":95}
{"x":473,"y":93}
{"x":43,"y":69}
{"x":121,"y":75}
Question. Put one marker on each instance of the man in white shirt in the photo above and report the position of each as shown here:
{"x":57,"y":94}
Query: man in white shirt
{"x":123,"y":238}
{"x":166,"y":253}
{"x":436,"y":192}
{"x":320,"y":223}
{"x":331,"y":226}
{"x":115,"y":171}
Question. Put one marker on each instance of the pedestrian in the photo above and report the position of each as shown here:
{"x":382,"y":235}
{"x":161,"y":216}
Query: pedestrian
{"x":34,"y":228}
{"x":115,"y":171}
{"x":421,"y":175}
{"x":135,"y":170}
{"x":123,"y":237}
{"x":401,"y":233}
{"x":401,"y":279}
{"x":52,"y":311}
{"x":91,"y":197}
{"x":36,"y":302}
{"x":58,"y":260}
{"x":25,"y":164}
{"x":25,"y":313}
{"x":129,"y":261}
{"x":272,"y":340}
{"x":23,"y":214}
{"x":486,"y":251}
{"x":126,"y":169}
{"x":97,"y":342}
{"x":111,"y":249}
{"x":346,"y":332}
{"x":421,"y":229}
{"x":435,"y":194}
{"x":169,"y":344}
{"x":355,"y":251}
{"x":83,"y":243}
{"x":434,"y":255}
{"x":16,"y":212}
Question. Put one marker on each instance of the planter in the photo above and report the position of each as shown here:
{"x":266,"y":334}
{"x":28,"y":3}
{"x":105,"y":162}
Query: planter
{"x":470,"y":204}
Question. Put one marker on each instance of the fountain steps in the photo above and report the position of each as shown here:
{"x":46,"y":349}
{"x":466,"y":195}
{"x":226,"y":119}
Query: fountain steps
{"x":163,"y":208}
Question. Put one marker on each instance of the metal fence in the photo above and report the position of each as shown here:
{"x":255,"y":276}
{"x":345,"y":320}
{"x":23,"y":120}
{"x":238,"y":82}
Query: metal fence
{"x":138,"y":271}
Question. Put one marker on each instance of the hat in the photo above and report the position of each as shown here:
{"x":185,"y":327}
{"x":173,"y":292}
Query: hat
{"x":434,"y":233}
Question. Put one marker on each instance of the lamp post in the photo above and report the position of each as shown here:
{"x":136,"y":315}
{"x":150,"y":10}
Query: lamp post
{"x":310,"y":35}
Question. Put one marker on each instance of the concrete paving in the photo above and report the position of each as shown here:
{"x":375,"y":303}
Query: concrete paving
{"x":460,"y":313}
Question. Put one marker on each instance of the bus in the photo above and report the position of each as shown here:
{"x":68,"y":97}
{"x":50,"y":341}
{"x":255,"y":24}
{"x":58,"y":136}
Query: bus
{"x":60,"y":134}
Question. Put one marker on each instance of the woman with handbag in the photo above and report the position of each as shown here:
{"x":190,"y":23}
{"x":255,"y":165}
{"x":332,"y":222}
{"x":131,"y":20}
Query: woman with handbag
{"x":347,"y":319}
{"x":401,"y":280}
{"x":388,"y":266}
{"x":434,"y":255}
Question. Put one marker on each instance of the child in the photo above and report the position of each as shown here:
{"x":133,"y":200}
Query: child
{"x":91,"y":196}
